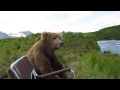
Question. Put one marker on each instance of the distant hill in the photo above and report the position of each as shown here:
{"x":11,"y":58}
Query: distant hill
{"x":109,"y":33}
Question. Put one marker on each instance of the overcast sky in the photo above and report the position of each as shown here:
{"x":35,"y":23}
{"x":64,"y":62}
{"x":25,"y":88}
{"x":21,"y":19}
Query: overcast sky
{"x":57,"y":21}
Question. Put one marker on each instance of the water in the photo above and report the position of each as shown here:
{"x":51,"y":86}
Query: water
{"x":110,"y":45}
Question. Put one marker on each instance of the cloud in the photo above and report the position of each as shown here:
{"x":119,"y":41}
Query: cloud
{"x":57,"y":21}
{"x":105,"y":21}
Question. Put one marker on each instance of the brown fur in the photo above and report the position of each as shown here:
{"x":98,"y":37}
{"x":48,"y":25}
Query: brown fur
{"x":42,"y":54}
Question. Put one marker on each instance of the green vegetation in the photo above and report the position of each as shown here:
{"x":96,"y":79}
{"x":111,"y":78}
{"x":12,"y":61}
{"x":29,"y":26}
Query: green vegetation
{"x":109,"y":33}
{"x":13,"y":48}
{"x":96,"y":65}
{"x":80,"y":52}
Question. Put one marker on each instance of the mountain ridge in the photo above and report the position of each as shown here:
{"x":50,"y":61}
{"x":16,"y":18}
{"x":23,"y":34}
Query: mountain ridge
{"x":14,"y":35}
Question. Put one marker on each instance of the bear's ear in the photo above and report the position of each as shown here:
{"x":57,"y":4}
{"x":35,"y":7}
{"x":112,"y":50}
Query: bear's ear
{"x":60,"y":35}
{"x":44,"y":34}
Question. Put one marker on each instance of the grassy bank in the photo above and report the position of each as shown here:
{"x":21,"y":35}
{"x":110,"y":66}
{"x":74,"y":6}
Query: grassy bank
{"x":97,"y":65}
{"x":81,"y":53}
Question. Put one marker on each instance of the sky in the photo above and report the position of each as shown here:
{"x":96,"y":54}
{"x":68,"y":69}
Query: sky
{"x":57,"y":21}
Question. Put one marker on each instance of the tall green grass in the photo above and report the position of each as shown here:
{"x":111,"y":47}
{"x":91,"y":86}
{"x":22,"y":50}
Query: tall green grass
{"x":97,"y":65}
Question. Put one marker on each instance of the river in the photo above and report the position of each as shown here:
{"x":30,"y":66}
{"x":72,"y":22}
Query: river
{"x":110,"y":45}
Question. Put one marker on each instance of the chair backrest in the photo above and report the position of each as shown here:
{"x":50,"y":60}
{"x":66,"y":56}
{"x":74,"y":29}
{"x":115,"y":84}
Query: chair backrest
{"x":22,"y":68}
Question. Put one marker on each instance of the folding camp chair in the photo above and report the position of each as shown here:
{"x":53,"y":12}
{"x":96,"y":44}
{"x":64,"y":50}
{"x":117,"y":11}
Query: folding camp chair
{"x":22,"y":68}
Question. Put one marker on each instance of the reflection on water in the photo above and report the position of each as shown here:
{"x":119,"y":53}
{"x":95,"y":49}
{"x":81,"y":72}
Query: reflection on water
{"x":110,"y":45}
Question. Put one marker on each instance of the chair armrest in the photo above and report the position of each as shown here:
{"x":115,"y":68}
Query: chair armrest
{"x":53,"y":73}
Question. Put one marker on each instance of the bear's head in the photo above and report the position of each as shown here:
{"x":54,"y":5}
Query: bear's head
{"x":53,"y":40}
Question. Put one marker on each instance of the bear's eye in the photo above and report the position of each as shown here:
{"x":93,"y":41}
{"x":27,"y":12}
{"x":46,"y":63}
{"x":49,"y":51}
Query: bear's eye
{"x":54,"y":38}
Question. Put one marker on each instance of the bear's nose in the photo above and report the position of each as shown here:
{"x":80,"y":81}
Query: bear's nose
{"x":61,"y":44}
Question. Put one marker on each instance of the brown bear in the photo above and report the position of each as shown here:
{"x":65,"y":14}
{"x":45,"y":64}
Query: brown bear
{"x":42,"y":54}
